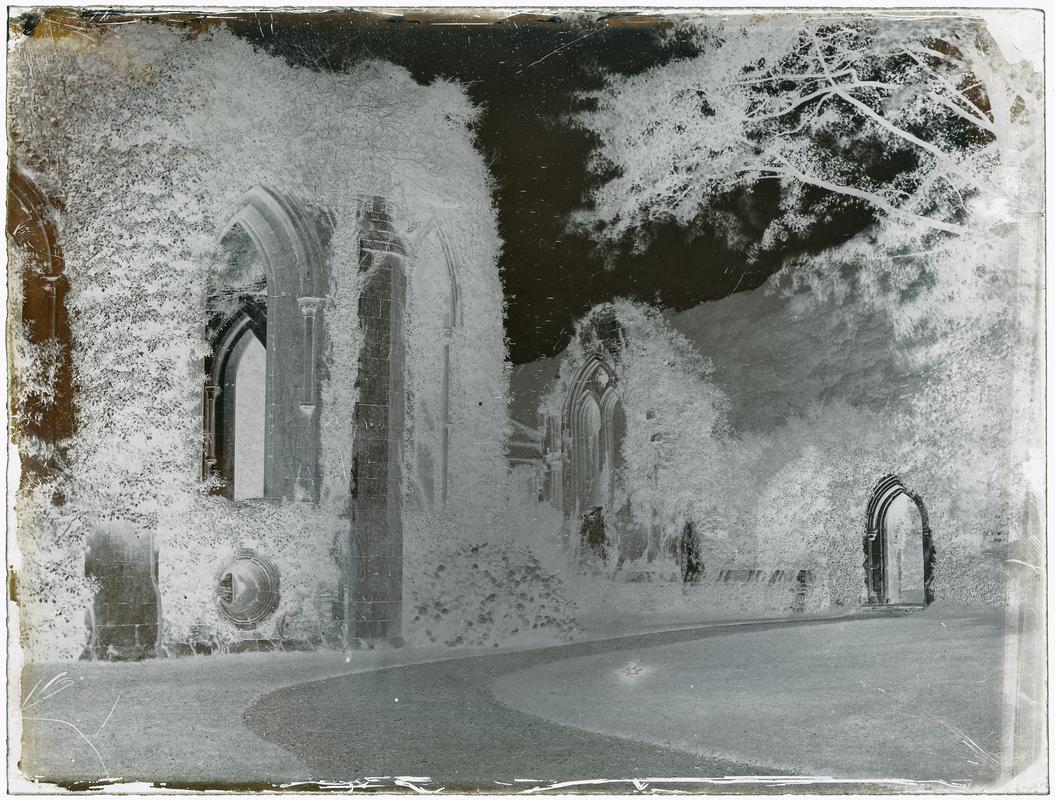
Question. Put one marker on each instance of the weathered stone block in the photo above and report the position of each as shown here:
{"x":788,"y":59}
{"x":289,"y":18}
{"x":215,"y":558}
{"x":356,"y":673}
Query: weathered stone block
{"x":373,"y":417}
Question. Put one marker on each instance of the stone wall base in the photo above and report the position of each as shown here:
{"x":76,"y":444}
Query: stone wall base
{"x":377,"y":643}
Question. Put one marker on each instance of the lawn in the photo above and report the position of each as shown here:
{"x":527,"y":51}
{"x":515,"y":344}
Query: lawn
{"x":916,"y":697}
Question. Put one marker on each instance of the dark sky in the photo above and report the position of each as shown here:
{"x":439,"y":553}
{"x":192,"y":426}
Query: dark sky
{"x":525,"y":73}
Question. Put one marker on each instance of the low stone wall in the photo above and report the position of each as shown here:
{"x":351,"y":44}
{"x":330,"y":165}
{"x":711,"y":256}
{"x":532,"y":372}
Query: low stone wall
{"x":658,"y":590}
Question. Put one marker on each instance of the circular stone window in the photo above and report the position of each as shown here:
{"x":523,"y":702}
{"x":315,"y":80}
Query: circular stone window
{"x":247,"y":589}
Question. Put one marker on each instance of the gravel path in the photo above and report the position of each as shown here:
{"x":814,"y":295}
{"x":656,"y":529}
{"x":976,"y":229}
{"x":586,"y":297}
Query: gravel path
{"x":440,"y":723}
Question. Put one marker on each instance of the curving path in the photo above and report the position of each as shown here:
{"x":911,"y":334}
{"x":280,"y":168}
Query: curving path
{"x":440,"y":721}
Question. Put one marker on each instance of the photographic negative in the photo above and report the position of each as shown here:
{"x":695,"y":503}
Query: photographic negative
{"x":504,"y":402}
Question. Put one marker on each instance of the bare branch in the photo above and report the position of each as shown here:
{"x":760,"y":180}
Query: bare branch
{"x":870,"y":197}
{"x":790,"y":77}
{"x":955,"y":90}
{"x":799,"y":102}
{"x":882,"y":122}
{"x":935,"y":151}
{"x":974,"y":119}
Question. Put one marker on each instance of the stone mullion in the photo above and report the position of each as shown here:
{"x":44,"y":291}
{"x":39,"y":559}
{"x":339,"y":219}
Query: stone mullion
{"x":309,"y":309}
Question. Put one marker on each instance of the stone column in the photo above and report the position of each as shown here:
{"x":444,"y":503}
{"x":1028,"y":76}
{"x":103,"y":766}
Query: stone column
{"x":309,"y":309}
{"x":374,"y":572}
{"x":211,"y":393}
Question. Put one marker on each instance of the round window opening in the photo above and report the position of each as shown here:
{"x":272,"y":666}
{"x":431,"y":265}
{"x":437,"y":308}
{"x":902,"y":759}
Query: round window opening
{"x":247,"y":589}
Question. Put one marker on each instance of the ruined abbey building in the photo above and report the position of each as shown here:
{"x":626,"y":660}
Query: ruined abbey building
{"x":262,"y":396}
{"x":665,"y":468}
{"x":285,"y":343}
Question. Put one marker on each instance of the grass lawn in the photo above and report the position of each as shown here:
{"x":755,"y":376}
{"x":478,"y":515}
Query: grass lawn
{"x":916,"y":697}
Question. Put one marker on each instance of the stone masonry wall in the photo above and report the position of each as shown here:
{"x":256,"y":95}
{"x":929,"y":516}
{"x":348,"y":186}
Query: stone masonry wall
{"x":125,"y":609}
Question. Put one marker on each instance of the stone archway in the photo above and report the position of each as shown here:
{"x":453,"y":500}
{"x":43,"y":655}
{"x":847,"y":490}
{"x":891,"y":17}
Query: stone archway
{"x":596,"y":426}
{"x":247,"y":324}
{"x":899,"y":554}
{"x":434,"y":250}
{"x":49,"y":416}
{"x":279,"y":245}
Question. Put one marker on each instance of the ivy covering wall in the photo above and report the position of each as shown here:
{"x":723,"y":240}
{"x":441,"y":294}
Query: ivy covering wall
{"x":151,"y":135}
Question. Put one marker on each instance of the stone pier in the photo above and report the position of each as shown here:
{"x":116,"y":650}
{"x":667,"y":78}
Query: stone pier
{"x":374,"y":571}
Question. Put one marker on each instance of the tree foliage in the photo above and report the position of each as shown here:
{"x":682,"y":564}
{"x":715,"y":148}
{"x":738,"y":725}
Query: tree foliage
{"x":909,"y":119}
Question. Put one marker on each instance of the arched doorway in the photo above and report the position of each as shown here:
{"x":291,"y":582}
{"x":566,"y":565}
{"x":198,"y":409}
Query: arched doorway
{"x":899,"y":553}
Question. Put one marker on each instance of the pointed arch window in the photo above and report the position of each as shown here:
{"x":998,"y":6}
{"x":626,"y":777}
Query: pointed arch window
{"x":452,"y":319}
{"x":271,"y":287}
{"x":588,"y":457}
{"x":236,"y":391}
{"x":437,"y":252}
{"x":596,"y":423}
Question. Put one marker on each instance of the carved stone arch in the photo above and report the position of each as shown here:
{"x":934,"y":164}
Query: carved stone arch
{"x":595,"y":375}
{"x":434,"y":227}
{"x":289,"y":237}
{"x":228,"y":341}
{"x":594,"y":386}
{"x":886,"y":491}
{"x":44,"y":322}
{"x":453,"y":319}
{"x":587,"y":449}
{"x":290,"y":240}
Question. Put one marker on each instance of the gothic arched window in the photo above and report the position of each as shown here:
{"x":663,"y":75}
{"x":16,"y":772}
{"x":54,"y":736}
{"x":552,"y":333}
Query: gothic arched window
{"x":236,"y":391}
{"x":596,"y":425}
{"x":899,"y":552}
{"x":265,"y":319}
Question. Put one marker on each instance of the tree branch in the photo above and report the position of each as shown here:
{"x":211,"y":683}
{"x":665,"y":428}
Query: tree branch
{"x":956,"y":92}
{"x":811,"y":76}
{"x":871,"y":198}
{"x":935,"y":151}
{"x":801,"y":101}
{"x":974,"y":119}
{"x":882,"y":122}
